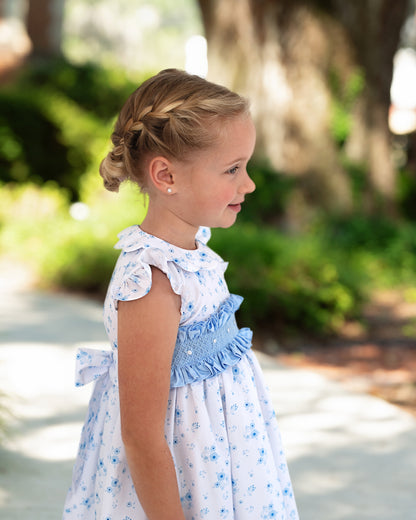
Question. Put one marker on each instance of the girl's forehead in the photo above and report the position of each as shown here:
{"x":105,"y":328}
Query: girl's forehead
{"x":237,"y":133}
{"x":233,"y":140}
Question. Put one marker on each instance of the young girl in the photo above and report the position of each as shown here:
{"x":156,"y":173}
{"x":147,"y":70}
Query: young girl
{"x":180,"y":425}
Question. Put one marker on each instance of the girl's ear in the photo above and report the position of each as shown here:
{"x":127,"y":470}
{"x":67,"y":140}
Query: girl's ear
{"x":161,"y":174}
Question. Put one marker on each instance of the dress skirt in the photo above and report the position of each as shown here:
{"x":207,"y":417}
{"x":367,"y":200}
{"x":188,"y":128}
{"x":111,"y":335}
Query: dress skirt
{"x":225,"y":442}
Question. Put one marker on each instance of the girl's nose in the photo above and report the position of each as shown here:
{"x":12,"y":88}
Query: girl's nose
{"x":248,"y":185}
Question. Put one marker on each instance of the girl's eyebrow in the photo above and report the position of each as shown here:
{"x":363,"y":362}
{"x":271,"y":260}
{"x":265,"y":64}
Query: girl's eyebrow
{"x":240,"y":159}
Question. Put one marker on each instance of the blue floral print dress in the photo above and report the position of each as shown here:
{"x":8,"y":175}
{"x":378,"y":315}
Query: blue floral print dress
{"x":220,"y":424}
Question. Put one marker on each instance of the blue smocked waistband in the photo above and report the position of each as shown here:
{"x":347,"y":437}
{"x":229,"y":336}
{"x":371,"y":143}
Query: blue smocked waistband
{"x":203,"y":349}
{"x":206,"y":348}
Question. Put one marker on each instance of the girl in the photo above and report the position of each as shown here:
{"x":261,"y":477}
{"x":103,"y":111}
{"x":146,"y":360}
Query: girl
{"x":180,"y":425}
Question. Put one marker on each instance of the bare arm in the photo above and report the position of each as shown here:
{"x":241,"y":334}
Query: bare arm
{"x":147,"y":330}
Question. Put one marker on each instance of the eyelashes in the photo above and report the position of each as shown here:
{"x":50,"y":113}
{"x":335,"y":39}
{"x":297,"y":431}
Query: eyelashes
{"x":233,"y":170}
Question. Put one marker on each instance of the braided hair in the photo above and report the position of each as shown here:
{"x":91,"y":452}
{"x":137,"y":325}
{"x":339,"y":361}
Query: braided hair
{"x":171,"y":114}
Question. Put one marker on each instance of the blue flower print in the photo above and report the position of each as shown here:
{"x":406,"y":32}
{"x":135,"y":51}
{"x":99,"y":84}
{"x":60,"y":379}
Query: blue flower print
{"x":220,"y":438}
{"x":210,"y":454}
{"x":269,"y":512}
{"x":213,"y":456}
{"x":114,"y":457}
{"x":234,"y":484}
{"x":87,"y":502}
{"x":186,"y":500}
{"x":287,"y":491}
{"x":236,"y":372}
{"x":178,"y":416}
{"x":251,"y":431}
{"x":234,"y":408}
{"x":225,"y":444}
{"x":190,"y":307}
{"x":248,"y":407}
{"x":204,"y":233}
{"x":261,"y":459}
{"x":222,"y":479}
{"x":101,"y":467}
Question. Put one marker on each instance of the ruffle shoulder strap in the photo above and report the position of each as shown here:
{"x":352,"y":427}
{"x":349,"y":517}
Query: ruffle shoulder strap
{"x":132,"y":277}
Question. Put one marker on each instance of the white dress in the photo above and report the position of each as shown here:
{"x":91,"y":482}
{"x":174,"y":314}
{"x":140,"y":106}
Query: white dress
{"x":220,"y":424}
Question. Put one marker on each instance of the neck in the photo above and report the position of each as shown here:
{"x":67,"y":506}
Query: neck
{"x":163,"y":224}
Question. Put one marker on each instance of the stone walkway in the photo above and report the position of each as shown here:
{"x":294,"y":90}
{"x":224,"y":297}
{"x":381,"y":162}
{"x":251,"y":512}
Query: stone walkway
{"x":352,"y":456}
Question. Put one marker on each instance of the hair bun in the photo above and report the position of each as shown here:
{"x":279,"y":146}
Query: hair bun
{"x":112,"y":172}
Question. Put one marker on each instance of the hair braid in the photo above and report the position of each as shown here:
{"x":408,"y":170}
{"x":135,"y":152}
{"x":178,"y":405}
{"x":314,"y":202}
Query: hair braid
{"x":172,"y":114}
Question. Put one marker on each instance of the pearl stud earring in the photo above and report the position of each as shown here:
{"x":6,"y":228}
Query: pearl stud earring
{"x":169,"y":190}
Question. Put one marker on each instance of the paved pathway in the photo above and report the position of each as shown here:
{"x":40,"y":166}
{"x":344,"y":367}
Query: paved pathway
{"x":352,"y":456}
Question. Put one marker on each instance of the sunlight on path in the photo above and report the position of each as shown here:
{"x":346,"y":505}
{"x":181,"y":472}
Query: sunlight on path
{"x":351,"y":456}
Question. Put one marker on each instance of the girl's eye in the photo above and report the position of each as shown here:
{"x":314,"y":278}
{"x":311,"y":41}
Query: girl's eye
{"x":233,"y":170}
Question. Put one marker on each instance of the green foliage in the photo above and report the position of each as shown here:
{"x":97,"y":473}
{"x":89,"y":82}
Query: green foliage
{"x":36,"y":227}
{"x":54,"y":130}
{"x":32,"y":145}
{"x":344,"y":96}
{"x":358,"y":176}
{"x":386,"y":248}
{"x":98,"y":90}
{"x":407,"y":193}
{"x":56,"y":121}
{"x":269,"y":201}
{"x":309,"y":283}
{"x":288,"y":282}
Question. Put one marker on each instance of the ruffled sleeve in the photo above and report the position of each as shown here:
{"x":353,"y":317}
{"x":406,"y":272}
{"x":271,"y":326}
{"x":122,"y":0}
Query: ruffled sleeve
{"x":132,"y":278}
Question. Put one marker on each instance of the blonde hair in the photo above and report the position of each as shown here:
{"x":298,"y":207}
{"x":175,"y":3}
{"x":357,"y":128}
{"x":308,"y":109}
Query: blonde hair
{"x":171,"y":114}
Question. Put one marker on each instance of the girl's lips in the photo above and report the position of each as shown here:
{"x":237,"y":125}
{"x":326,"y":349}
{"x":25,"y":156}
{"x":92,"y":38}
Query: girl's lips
{"x":235,"y":207}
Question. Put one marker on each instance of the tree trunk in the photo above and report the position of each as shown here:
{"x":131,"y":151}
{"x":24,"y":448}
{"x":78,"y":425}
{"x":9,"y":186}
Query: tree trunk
{"x":15,"y":45}
{"x":285,"y":55}
{"x":44,"y":26}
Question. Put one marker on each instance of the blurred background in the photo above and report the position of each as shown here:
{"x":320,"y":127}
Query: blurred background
{"x":325,"y":250}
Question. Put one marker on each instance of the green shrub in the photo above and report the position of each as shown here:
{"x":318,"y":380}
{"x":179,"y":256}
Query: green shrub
{"x":407,"y":193}
{"x":55,"y":130}
{"x":98,"y":90}
{"x":36,"y":227}
{"x":288,"y":282}
{"x":344,"y":96}
{"x":308,"y":283}
{"x":56,"y":121}
{"x":386,"y":248}
{"x":46,"y":137}
{"x":268,"y":203}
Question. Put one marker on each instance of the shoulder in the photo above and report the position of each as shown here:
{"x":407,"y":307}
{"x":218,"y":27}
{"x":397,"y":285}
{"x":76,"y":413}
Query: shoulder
{"x":159,"y":299}
{"x":141,"y":252}
{"x":149,"y":249}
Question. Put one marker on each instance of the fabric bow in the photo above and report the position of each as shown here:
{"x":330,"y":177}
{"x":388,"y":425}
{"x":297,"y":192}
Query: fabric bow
{"x":91,"y":364}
